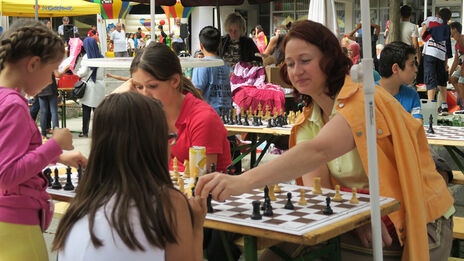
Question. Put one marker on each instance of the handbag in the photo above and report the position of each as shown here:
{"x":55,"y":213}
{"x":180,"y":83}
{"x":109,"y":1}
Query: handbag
{"x":78,"y":90}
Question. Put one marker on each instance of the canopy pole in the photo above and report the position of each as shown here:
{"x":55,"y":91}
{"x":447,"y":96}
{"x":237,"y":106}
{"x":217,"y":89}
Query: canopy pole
{"x":425,"y":9}
{"x":218,"y":16}
{"x":152,"y":18}
{"x":371,"y":134}
{"x":36,"y":9}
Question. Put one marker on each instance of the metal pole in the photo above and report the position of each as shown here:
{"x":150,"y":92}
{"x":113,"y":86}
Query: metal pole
{"x":36,"y":9}
{"x":218,"y":15}
{"x":425,"y":9}
{"x":152,"y":18}
{"x":371,"y":136}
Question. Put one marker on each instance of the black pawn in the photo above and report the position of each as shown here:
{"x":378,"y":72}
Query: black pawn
{"x":279,"y":121}
{"x":245,"y":121}
{"x":213,"y":168}
{"x":208,"y":204}
{"x":68,"y":185}
{"x":430,"y":130}
{"x":268,"y":209}
{"x":223,"y":116}
{"x":269,"y":123}
{"x":327,"y":210}
{"x":256,"y":215}
{"x":289,"y":204}
{"x":48,"y":174}
{"x":56,"y":184}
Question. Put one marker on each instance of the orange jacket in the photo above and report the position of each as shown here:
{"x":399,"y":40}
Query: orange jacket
{"x":406,"y":168}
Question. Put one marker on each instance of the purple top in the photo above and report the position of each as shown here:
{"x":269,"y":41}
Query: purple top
{"x":22,"y":158}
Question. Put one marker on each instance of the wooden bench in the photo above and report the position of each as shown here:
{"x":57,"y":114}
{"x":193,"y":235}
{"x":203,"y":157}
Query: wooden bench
{"x":458,"y":177}
{"x":60,"y":209}
{"x":458,"y":235}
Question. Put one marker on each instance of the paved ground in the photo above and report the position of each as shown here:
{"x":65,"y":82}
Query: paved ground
{"x":83,"y":145}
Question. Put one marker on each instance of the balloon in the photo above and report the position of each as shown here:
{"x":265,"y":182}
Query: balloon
{"x":117,"y":10}
{"x":162,"y":22}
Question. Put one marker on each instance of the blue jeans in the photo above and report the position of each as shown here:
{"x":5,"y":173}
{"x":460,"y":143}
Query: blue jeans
{"x":35,"y":108}
{"x":48,"y":104}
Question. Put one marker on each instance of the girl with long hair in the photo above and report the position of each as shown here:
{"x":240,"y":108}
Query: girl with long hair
{"x":126,"y":207}
{"x":156,"y":72}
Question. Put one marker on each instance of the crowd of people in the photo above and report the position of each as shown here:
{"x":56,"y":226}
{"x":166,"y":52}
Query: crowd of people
{"x":126,"y":205}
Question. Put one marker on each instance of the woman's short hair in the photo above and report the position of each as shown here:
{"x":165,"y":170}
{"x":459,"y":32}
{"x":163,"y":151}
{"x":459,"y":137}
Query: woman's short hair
{"x":235,"y":19}
{"x":335,"y":64}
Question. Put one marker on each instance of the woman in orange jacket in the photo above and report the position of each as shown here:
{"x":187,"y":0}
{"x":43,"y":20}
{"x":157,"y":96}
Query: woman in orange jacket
{"x":316,"y":66}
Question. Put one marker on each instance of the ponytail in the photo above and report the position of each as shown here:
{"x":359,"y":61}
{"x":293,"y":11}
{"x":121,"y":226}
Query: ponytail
{"x":187,"y":86}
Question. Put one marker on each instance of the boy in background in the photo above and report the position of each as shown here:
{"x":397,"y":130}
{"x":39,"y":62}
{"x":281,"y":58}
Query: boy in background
{"x":437,"y":49}
{"x":398,"y":68}
{"x":213,"y":82}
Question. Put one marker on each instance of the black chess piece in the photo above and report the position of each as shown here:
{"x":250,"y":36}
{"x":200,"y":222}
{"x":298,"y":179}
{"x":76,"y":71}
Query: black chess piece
{"x":208,"y":204}
{"x":256,"y":215}
{"x":268,"y":209}
{"x":279,"y":121}
{"x":223,"y":116}
{"x":289,"y":204}
{"x":68,"y":185}
{"x":285,"y":122}
{"x":48,"y":174}
{"x":327,"y":210}
{"x":245,"y":121}
{"x":79,"y":173}
{"x":238,"y":121}
{"x":430,"y":130}
{"x":269,"y":123}
{"x":56,"y":184}
{"x":266,"y":196}
{"x":213,"y":168}
{"x":260,"y":121}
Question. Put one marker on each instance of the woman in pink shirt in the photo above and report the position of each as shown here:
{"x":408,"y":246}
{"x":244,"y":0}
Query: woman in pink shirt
{"x":261,"y":40}
{"x":29,"y":53}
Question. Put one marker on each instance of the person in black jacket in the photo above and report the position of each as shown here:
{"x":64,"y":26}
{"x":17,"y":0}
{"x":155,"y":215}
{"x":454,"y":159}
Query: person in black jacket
{"x":236,"y":46}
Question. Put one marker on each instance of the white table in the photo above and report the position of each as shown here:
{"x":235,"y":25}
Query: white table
{"x":125,"y":62}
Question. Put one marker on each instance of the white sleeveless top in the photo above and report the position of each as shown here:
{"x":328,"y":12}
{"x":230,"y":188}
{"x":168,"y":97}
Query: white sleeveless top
{"x":79,"y":247}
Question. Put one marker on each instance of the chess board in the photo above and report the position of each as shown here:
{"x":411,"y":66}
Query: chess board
{"x":299,"y":221}
{"x":446,"y":133}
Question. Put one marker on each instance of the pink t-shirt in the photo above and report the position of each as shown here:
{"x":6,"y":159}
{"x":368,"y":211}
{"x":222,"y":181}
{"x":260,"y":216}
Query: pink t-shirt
{"x":198,"y":124}
{"x":22,"y":158}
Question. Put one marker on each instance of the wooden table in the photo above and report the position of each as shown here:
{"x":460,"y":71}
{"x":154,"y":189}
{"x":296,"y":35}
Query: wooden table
{"x":450,"y":137}
{"x":268,"y":135}
{"x":253,"y":235}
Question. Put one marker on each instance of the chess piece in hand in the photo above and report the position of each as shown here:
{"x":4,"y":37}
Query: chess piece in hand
{"x":222,"y":186}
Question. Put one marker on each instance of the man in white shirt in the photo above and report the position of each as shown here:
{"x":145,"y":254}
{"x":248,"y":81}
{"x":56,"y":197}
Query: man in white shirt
{"x":408,"y":30}
{"x":177,"y":41}
{"x":118,"y":38}
{"x":66,"y":34}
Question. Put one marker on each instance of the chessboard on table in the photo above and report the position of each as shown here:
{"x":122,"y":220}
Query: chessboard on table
{"x":299,"y":221}
{"x":446,"y":133}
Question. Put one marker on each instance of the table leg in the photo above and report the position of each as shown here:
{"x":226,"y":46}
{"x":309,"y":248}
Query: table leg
{"x":254,"y":138}
{"x":250,"y":248}
{"x":63,"y":109}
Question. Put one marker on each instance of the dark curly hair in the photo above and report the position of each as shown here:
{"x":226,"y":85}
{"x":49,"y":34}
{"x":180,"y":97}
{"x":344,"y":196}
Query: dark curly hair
{"x":335,"y":64}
